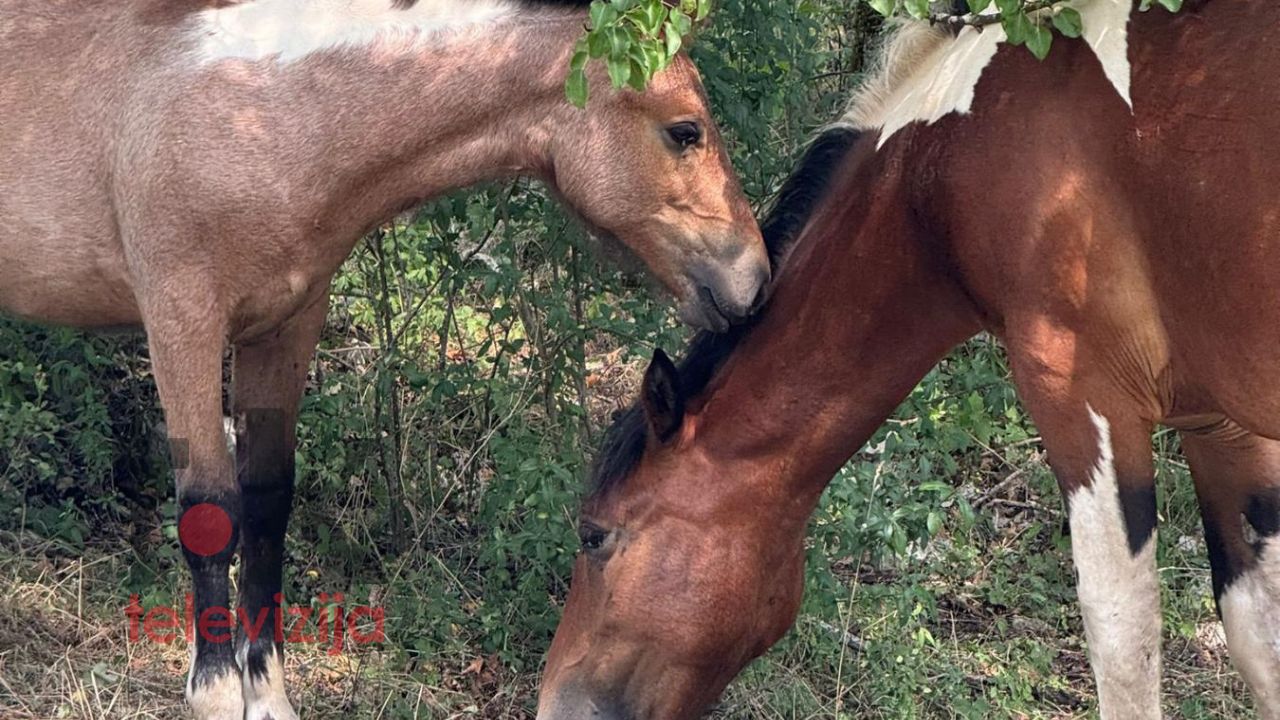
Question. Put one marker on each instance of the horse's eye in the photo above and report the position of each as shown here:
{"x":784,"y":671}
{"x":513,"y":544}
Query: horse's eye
{"x":592,"y":537}
{"x":685,"y":134}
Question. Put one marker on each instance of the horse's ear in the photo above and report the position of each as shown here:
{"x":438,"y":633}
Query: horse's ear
{"x":662,"y":396}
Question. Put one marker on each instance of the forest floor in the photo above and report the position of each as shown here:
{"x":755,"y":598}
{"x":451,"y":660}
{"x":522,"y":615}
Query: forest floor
{"x":979,"y":623}
{"x":65,"y":653}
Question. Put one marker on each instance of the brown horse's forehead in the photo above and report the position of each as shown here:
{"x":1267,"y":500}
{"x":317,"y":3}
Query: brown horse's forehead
{"x":680,"y":78}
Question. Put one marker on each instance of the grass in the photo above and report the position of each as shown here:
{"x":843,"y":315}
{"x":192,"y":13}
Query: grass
{"x":979,"y":623}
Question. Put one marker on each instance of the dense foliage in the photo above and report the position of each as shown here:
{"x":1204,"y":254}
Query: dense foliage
{"x":472,"y":355}
{"x":637,"y":38}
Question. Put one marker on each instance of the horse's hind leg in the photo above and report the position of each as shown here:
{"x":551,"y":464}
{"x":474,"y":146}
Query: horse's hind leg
{"x":186,"y":343}
{"x":1100,"y":450}
{"x":267,"y":386}
{"x":1237,"y":478}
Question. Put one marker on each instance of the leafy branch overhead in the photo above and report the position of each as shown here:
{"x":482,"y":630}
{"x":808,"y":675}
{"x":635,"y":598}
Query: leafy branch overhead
{"x":636,"y":39}
{"x":1026,"y":22}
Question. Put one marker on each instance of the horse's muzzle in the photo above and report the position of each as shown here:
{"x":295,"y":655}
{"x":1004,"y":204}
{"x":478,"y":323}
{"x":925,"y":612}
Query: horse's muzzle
{"x":727,"y":296}
{"x":575,"y":705}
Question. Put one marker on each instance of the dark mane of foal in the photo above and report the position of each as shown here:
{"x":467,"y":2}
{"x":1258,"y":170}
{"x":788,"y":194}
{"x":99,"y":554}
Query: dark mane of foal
{"x":626,"y":439}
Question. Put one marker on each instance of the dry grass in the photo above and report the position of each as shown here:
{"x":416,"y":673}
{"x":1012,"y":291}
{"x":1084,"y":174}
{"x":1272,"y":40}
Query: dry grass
{"x":65,"y":652}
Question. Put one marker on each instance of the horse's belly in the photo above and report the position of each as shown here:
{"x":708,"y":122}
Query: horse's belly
{"x":1241,"y":383}
{"x":65,"y":283}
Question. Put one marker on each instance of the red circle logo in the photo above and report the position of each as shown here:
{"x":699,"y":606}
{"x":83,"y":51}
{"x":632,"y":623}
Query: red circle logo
{"x":204,"y":529}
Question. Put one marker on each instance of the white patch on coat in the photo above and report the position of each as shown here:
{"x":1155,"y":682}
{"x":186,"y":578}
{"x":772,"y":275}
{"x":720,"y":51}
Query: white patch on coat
{"x":1251,"y":615}
{"x":292,"y":29}
{"x":1119,"y":593}
{"x":217,"y":700}
{"x":264,"y":698}
{"x":927,"y":74}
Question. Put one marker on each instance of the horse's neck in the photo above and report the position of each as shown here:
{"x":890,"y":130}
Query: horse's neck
{"x":393,"y":121}
{"x":862,"y":313}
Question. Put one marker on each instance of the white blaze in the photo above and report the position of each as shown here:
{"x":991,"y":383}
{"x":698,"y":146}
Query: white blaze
{"x":291,"y":29}
{"x":1119,"y":593}
{"x":1251,"y":616}
{"x":942,"y":73}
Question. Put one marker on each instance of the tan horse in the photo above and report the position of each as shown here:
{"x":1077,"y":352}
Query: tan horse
{"x":1129,"y":260}
{"x":202,"y":168}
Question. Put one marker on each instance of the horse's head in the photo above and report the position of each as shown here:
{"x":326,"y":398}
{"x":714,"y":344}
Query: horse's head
{"x":650,"y":170}
{"x":691,"y":566}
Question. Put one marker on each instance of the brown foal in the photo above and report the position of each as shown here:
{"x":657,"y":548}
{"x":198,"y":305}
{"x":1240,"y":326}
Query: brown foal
{"x":201,"y":168}
{"x":1126,"y":256}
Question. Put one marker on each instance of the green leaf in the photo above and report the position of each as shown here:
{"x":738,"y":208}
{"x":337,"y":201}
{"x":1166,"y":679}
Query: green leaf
{"x":673,"y":41}
{"x":619,"y":42}
{"x":641,"y":59}
{"x":682,"y":23}
{"x":1171,"y":5}
{"x":933,"y":522}
{"x":575,"y":89}
{"x":977,"y":6}
{"x":619,"y":70}
{"x":1068,"y":22}
{"x":917,"y":8}
{"x":639,"y":75}
{"x":655,"y":13}
{"x":884,"y":7}
{"x":602,"y":15}
{"x":656,"y":58}
{"x":1039,"y":40}
{"x":1009,"y":8}
{"x":598,"y":43}
{"x":1017,"y":27}
{"x":575,"y":85}
{"x":580,"y":58}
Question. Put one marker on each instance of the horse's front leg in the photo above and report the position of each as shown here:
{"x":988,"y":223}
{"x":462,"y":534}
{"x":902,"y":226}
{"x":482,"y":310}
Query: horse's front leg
{"x":1100,"y":449}
{"x":1237,"y":476}
{"x":186,"y":339}
{"x":267,"y":386}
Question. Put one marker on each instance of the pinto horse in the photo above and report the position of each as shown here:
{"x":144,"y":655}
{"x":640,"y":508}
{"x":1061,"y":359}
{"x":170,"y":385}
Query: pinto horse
{"x":201,"y":168}
{"x":1127,"y":257}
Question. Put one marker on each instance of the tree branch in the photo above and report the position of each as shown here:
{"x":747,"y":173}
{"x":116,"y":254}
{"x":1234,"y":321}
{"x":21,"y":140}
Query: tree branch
{"x":958,"y":21}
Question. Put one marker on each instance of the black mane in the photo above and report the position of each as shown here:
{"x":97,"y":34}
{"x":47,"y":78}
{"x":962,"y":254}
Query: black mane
{"x":625,"y":441}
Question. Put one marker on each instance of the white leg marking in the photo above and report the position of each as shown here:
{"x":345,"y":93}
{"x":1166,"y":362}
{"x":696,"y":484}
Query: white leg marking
{"x":292,"y":29}
{"x":216,"y":700}
{"x":1119,"y":594}
{"x":1251,"y":615}
{"x":264,"y":698}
